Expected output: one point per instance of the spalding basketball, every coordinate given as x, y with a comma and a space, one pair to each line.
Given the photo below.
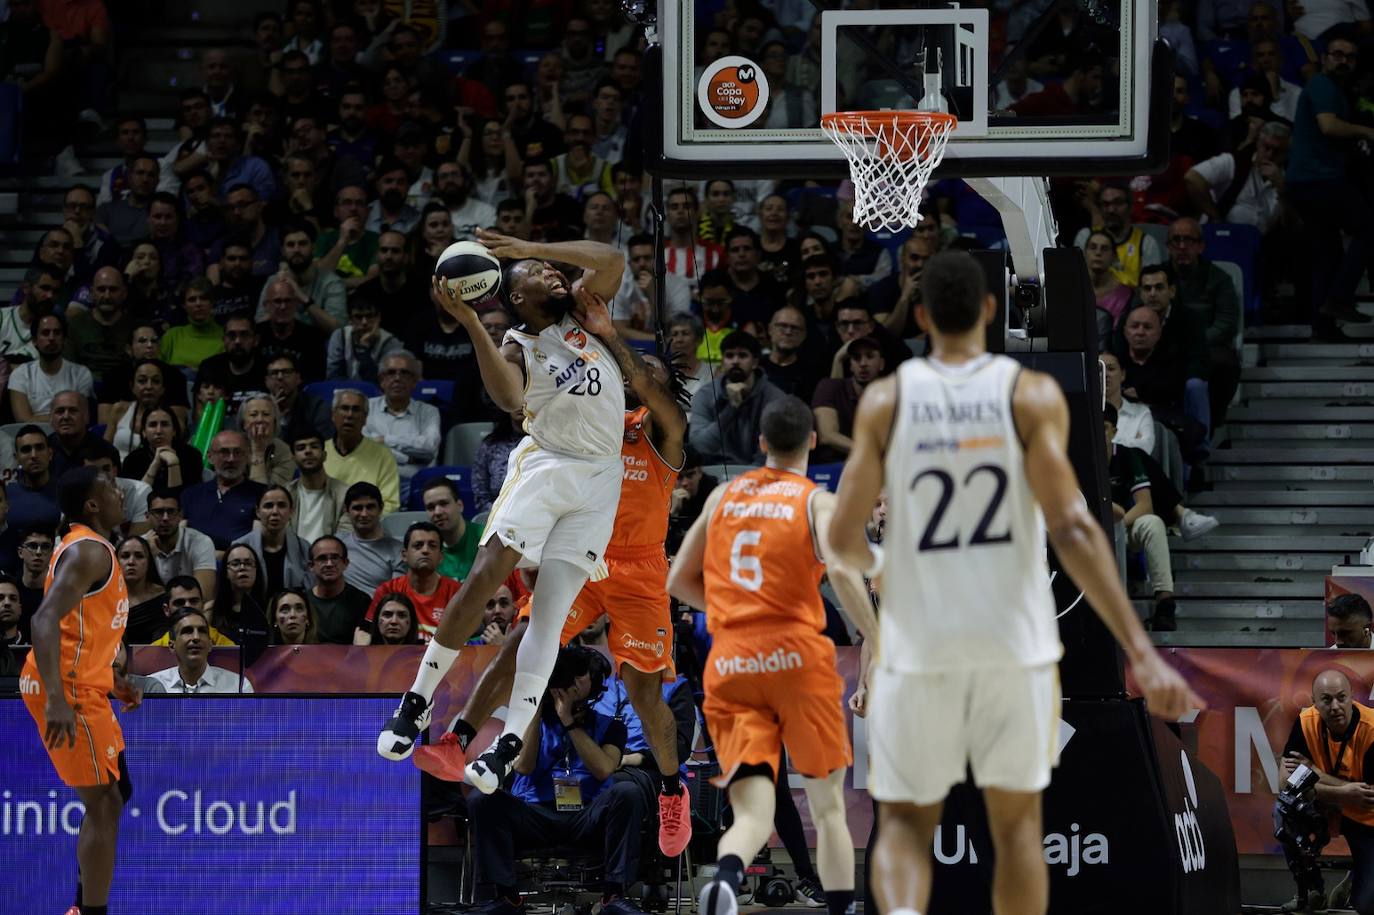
470, 269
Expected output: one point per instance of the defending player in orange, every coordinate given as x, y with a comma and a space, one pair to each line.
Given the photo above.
70, 671
634, 596
754, 560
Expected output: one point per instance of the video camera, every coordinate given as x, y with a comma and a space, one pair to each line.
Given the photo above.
1298, 822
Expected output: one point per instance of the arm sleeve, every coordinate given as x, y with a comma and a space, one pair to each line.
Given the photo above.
389, 482
615, 736
334, 297
85, 384
1217, 172
1297, 741
704, 428
202, 553
1226, 314
481, 479
377, 597
1149, 252
334, 360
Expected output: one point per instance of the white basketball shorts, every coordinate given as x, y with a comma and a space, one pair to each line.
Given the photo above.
926, 730
556, 506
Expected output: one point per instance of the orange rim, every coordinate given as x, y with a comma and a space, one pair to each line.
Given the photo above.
887, 127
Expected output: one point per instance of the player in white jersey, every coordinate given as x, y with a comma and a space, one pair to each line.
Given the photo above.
566, 369
972, 449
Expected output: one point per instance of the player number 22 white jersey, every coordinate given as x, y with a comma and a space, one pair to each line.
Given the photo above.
964, 581
574, 393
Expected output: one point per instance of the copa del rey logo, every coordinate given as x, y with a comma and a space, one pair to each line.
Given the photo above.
576, 337
759, 663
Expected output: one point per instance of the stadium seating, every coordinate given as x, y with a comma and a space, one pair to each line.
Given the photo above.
439, 393
395, 524
462, 441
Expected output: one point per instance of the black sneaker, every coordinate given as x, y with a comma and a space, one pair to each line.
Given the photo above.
397, 739
1163, 619
489, 770
809, 893
498, 906
619, 905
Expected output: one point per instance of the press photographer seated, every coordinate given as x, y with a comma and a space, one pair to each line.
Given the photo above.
1335, 738
563, 792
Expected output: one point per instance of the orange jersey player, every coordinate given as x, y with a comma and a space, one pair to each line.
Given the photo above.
633, 596
66, 678
753, 560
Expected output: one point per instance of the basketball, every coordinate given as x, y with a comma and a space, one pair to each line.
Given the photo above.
471, 269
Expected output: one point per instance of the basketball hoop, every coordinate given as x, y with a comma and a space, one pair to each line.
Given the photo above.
891, 156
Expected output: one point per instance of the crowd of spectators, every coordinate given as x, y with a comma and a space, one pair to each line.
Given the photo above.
171, 326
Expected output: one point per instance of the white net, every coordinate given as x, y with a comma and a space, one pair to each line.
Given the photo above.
891, 156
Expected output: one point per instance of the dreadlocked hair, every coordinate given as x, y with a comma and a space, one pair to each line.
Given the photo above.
677, 378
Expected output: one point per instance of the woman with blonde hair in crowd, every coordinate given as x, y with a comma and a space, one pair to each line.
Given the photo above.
270, 459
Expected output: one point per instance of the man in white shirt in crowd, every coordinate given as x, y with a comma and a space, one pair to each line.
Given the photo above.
39, 289
1135, 424
103, 456
635, 304
373, 557
33, 384
178, 548
193, 673
319, 497
453, 186
406, 426
1229, 189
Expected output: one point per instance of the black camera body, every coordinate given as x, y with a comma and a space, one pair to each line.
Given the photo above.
1298, 822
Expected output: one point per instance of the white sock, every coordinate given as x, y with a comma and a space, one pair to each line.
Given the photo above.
435, 665
558, 586
903, 912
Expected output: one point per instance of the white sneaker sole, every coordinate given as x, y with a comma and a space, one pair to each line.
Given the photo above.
717, 899
481, 777
391, 746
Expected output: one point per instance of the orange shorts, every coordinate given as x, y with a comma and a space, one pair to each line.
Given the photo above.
766, 690
94, 759
635, 598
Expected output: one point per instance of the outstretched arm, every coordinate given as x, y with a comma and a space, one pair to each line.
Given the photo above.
602, 264
1043, 418
862, 481
670, 421
502, 369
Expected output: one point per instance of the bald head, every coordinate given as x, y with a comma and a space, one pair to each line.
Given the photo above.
108, 291
1332, 699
